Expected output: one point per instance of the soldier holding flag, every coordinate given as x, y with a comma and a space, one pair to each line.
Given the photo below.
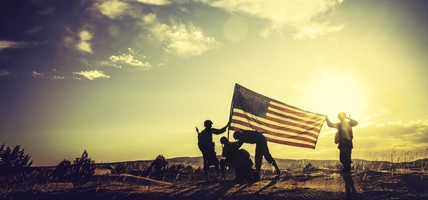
345, 136
207, 146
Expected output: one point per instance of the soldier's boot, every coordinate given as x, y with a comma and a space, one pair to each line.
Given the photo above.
278, 172
257, 175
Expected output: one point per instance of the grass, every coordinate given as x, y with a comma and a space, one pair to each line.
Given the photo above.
139, 175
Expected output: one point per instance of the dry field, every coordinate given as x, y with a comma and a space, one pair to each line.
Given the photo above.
368, 180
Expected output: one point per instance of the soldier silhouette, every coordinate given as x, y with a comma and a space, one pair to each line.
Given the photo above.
262, 150
344, 138
237, 159
207, 146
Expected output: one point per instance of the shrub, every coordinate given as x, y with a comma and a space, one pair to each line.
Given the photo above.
159, 163
13, 158
158, 166
78, 173
82, 170
62, 172
13, 166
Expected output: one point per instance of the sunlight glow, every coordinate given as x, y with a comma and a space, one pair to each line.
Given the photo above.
331, 93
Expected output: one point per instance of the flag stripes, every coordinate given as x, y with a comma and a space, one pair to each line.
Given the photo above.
248, 122
282, 123
265, 125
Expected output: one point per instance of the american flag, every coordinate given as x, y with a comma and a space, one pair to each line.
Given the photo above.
282, 123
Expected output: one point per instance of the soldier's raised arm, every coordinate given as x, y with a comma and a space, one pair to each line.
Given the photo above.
329, 123
353, 122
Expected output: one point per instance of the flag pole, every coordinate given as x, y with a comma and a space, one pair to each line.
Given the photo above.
231, 112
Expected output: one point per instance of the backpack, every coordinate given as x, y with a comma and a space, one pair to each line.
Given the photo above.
336, 138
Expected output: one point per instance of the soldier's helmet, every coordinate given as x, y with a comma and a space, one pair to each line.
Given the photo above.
237, 135
341, 115
208, 123
223, 140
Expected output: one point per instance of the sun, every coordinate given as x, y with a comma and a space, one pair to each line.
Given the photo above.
331, 93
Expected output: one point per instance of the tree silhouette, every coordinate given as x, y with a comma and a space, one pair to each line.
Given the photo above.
13, 158
158, 166
82, 170
78, 173
13, 165
62, 172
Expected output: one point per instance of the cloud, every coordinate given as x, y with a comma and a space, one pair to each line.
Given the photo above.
309, 19
34, 30
155, 2
54, 74
383, 139
80, 41
178, 38
130, 60
372, 141
312, 30
182, 39
92, 74
188, 40
112, 9
83, 44
405, 131
61, 75
10, 44
47, 11
4, 72
37, 74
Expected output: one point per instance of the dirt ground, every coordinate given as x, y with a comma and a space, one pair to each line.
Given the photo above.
317, 185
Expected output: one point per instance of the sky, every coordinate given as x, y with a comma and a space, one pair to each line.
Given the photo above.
130, 80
